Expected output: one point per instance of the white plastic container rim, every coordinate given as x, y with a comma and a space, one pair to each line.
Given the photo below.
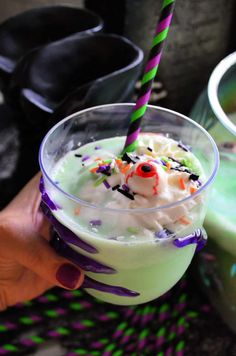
212, 89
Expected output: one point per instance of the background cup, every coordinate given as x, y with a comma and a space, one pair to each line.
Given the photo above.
72, 74
216, 110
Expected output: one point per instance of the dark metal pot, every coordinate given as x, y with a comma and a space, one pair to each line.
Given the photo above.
37, 27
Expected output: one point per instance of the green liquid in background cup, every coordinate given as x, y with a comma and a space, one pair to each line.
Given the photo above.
216, 110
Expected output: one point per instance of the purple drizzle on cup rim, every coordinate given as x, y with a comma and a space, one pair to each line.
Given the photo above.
197, 237
66, 234
45, 197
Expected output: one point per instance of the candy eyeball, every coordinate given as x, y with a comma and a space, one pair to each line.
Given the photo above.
145, 178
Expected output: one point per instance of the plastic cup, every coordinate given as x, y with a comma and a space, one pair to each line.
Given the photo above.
121, 272
215, 109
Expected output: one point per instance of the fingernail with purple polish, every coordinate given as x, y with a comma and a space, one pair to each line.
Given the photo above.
68, 275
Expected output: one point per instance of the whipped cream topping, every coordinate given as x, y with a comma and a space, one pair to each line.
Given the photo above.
160, 172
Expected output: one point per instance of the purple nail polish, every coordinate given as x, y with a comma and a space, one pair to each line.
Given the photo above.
68, 275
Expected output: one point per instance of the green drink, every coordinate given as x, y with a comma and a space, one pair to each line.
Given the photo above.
135, 210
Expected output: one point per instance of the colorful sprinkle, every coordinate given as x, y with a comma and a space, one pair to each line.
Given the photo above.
126, 157
103, 169
85, 158
94, 170
118, 162
133, 229
182, 183
107, 185
107, 160
168, 166
184, 147
193, 177
95, 222
126, 194
125, 187
125, 169
193, 190
163, 234
199, 182
175, 160
97, 147
157, 160
77, 211
184, 221
181, 169
99, 181
192, 168
78, 155
116, 187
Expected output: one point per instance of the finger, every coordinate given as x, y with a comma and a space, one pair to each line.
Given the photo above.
29, 197
34, 252
44, 226
28, 287
86, 263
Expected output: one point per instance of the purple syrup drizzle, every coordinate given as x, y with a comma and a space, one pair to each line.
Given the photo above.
85, 262
197, 237
102, 287
45, 197
66, 234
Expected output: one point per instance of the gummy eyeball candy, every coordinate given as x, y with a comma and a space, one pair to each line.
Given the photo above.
145, 178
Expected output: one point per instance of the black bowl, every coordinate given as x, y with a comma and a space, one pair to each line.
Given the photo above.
72, 74
37, 27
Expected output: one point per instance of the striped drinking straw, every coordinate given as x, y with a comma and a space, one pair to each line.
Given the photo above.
149, 74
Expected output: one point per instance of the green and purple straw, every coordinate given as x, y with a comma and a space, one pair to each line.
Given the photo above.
149, 75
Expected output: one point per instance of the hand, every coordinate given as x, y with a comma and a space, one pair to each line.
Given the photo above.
28, 265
